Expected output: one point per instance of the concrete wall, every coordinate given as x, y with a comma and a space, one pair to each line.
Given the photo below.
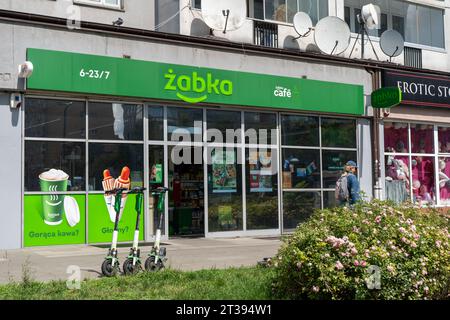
11, 175
135, 13
25, 37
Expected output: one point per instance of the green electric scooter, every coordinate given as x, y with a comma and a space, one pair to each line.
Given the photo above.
110, 266
157, 255
132, 264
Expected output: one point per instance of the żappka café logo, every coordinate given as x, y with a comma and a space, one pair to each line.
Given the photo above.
193, 88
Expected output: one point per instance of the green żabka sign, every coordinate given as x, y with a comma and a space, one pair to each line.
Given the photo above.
386, 97
82, 73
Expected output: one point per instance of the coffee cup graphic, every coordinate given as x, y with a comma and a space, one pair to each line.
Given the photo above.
52, 182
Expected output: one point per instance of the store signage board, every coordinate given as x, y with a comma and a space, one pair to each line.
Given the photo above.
92, 74
386, 97
419, 89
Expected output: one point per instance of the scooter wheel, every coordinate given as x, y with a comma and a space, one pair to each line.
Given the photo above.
108, 269
128, 267
151, 266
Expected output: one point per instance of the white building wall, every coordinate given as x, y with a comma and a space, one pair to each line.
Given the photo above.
433, 58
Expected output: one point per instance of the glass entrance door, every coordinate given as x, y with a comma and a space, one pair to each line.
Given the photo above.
186, 192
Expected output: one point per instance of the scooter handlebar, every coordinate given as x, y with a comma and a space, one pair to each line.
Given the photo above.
116, 190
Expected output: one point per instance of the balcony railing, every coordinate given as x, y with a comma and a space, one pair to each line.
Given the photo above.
413, 57
265, 34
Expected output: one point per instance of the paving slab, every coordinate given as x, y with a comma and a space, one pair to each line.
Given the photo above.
52, 263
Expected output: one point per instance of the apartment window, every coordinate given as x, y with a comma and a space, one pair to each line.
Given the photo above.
416, 23
284, 10
106, 3
197, 4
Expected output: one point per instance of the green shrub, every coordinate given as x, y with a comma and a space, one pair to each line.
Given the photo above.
331, 255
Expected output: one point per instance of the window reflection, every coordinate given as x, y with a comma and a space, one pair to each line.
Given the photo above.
47, 118
397, 178
42, 156
298, 207
423, 185
114, 156
396, 137
422, 138
262, 189
416, 23
115, 121
444, 180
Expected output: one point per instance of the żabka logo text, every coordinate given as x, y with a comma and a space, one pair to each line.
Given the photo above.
193, 84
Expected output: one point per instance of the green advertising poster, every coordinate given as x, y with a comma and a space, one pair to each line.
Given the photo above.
101, 222
83, 73
54, 219
223, 171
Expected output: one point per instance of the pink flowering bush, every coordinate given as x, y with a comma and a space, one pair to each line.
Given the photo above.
375, 250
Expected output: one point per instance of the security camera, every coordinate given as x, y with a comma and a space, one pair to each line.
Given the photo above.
25, 69
15, 101
118, 22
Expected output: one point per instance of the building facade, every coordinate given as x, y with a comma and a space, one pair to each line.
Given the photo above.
105, 94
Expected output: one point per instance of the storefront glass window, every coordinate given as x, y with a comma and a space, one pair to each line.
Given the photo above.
228, 123
46, 118
411, 176
186, 191
114, 156
298, 207
115, 121
423, 183
444, 180
156, 167
396, 137
444, 139
263, 124
422, 138
184, 124
338, 133
329, 199
224, 190
299, 131
155, 123
301, 169
67, 159
262, 189
333, 165
397, 178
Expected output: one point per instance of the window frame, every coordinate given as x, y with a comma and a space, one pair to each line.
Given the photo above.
101, 4
321, 189
395, 13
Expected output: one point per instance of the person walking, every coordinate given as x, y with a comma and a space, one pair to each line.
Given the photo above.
347, 186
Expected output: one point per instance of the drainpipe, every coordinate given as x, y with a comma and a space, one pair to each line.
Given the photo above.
376, 177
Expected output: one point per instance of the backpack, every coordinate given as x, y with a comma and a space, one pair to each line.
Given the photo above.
341, 192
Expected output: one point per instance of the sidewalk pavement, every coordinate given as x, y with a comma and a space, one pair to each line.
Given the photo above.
51, 263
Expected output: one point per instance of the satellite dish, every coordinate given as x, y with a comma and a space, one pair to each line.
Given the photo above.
224, 15
392, 43
302, 23
370, 14
332, 35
